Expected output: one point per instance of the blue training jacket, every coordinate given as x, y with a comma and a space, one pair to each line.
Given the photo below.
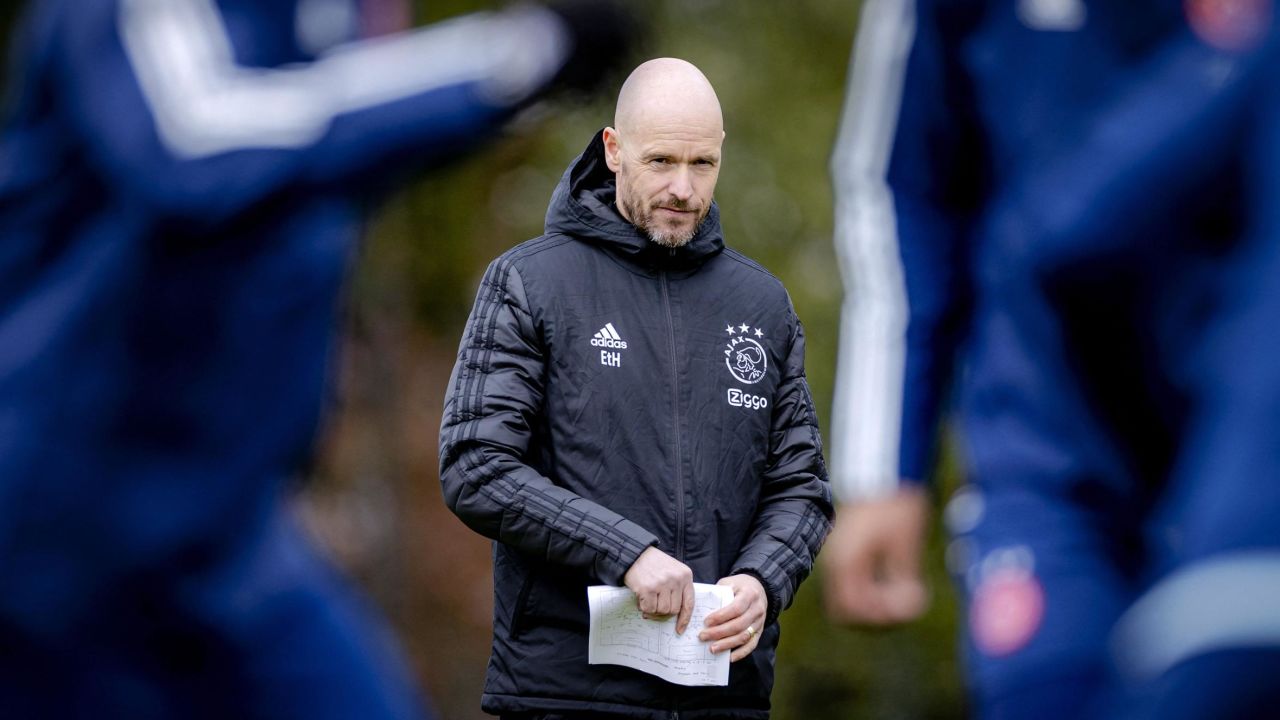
181, 183
1051, 195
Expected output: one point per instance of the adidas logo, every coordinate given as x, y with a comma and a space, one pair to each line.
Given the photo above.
607, 337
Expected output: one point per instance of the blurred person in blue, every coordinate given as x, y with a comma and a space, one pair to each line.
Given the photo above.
1060, 218
181, 187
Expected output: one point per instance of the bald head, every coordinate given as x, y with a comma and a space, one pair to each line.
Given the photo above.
664, 149
665, 90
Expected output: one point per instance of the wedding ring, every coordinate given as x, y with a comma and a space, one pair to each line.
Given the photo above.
751, 632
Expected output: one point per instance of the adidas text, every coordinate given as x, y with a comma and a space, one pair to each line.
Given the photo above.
609, 343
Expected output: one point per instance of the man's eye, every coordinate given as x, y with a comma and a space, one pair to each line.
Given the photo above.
659, 161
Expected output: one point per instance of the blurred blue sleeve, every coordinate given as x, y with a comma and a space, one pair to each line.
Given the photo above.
904, 177
168, 108
1173, 120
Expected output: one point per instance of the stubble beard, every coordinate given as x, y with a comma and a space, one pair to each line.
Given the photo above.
642, 217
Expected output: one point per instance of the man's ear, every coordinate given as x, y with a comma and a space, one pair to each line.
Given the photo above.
612, 149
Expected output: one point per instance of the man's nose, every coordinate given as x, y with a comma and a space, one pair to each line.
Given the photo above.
681, 184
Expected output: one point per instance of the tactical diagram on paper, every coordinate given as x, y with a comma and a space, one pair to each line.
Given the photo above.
621, 636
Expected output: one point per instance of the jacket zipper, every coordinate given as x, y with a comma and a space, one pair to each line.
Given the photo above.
675, 412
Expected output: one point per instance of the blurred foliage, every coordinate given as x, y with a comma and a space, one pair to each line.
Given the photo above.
10, 10
779, 69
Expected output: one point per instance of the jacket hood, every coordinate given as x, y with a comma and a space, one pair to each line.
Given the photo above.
582, 207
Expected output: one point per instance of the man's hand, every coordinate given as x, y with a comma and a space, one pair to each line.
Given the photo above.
738, 624
663, 587
871, 561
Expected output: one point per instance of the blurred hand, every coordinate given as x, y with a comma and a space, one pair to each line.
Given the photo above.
605, 36
728, 625
663, 587
871, 560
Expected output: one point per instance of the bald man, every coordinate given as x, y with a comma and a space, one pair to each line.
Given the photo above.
629, 407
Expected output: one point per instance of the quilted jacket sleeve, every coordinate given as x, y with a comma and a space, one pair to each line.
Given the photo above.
495, 396
795, 509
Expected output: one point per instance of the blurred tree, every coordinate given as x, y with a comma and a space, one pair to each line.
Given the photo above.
9, 11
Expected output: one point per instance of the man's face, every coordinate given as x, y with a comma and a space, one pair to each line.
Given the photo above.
666, 174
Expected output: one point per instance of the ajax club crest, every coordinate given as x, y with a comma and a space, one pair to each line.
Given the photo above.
744, 355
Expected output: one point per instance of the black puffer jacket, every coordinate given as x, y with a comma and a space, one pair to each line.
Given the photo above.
611, 394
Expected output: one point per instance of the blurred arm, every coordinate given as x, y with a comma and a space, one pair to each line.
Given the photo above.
170, 111
495, 395
901, 177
